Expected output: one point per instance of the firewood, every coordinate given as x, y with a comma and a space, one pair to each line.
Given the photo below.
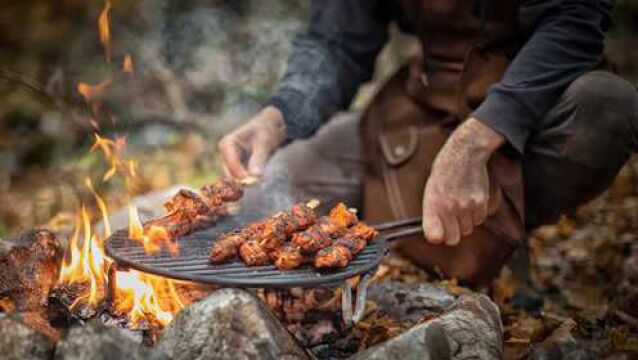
29, 268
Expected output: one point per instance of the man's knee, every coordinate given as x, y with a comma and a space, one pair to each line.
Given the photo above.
603, 100
597, 121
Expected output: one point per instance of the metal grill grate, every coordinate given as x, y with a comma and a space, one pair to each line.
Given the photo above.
192, 262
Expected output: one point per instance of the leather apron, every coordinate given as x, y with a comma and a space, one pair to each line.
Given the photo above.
465, 47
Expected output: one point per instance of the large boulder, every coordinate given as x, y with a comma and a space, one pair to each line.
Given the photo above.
20, 342
98, 342
469, 329
228, 324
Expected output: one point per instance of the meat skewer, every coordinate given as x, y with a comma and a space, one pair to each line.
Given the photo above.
268, 234
292, 238
345, 248
189, 211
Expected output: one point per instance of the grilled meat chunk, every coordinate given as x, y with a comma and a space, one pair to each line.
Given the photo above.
224, 190
186, 204
288, 257
227, 246
332, 257
364, 231
253, 254
312, 240
352, 242
342, 216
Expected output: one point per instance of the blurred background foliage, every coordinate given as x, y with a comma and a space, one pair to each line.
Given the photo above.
200, 68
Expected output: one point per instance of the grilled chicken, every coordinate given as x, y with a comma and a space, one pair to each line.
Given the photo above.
253, 254
334, 256
288, 257
269, 234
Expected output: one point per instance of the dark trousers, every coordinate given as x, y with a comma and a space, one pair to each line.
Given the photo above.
572, 156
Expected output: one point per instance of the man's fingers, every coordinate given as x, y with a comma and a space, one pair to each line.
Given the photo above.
432, 227
258, 160
231, 156
466, 221
452, 230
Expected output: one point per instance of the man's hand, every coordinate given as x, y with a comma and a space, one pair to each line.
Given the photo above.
244, 151
457, 194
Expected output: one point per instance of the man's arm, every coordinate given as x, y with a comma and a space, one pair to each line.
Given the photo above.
325, 67
329, 62
565, 41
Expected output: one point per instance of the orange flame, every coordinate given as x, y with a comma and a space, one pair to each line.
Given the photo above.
152, 238
85, 263
142, 297
104, 29
112, 150
89, 92
145, 297
127, 64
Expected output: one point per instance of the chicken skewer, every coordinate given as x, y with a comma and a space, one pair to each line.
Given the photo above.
189, 211
345, 248
265, 236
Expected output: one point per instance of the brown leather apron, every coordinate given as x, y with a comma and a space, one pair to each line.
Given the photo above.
465, 49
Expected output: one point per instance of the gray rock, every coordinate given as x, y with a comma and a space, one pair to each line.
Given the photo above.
97, 342
228, 324
18, 341
469, 329
409, 302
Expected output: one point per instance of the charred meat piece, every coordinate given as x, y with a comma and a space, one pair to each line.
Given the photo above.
288, 257
312, 240
333, 257
224, 190
274, 232
353, 242
342, 216
186, 204
269, 234
253, 254
226, 247
364, 231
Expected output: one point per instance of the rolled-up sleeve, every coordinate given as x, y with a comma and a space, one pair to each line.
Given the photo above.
565, 40
329, 61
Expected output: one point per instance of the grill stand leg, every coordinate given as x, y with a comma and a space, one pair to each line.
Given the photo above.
350, 318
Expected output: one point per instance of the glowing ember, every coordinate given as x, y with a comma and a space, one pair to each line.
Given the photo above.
104, 30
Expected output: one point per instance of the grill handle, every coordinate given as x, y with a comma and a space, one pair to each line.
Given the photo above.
404, 227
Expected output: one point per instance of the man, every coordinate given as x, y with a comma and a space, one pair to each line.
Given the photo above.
508, 119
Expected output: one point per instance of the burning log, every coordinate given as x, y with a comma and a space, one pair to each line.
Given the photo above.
29, 269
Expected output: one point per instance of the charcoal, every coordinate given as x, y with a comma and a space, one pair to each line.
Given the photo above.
19, 341
61, 311
29, 268
228, 324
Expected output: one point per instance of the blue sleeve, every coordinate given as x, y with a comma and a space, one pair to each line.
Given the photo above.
329, 62
565, 40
